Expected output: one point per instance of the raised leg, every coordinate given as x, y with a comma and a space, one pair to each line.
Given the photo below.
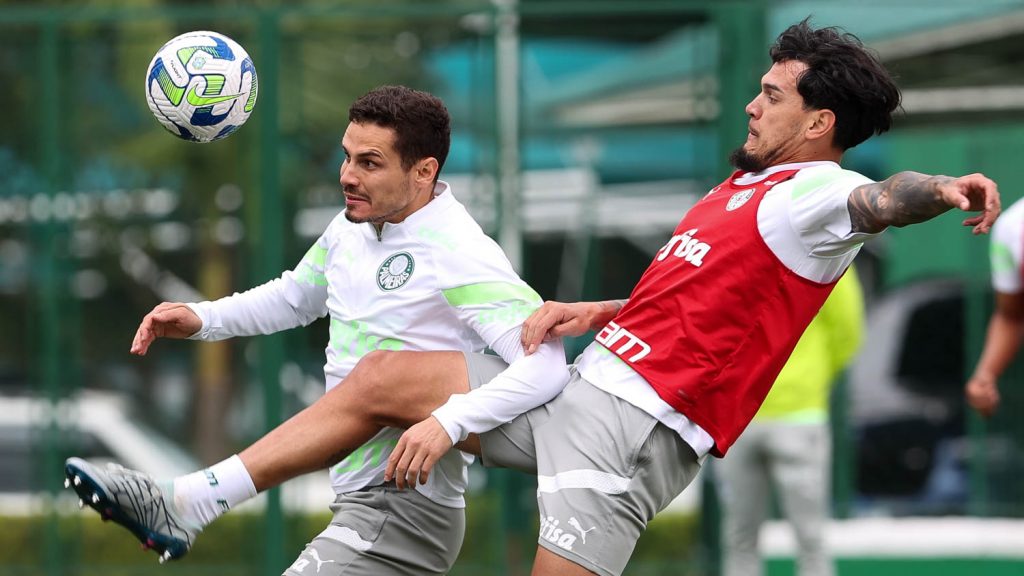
384, 389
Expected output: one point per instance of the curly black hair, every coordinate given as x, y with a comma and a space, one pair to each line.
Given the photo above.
842, 76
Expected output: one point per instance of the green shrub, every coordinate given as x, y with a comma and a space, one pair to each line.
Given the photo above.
235, 545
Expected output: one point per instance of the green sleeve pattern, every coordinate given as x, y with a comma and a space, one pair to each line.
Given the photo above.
311, 269
497, 302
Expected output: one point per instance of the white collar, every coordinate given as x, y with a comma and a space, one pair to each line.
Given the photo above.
442, 198
752, 177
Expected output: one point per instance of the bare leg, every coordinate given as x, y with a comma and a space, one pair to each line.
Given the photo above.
384, 389
547, 563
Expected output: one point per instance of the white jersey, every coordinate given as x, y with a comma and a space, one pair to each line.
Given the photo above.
806, 223
432, 282
1006, 250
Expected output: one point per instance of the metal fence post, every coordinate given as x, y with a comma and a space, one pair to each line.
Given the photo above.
47, 268
742, 50
506, 59
268, 257
976, 321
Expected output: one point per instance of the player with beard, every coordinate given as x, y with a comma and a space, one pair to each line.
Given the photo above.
678, 370
403, 267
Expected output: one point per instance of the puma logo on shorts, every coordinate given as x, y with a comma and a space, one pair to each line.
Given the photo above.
560, 537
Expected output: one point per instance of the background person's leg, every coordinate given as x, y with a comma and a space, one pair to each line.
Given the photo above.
801, 461
744, 492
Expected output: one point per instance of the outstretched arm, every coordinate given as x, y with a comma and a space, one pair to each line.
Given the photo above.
557, 319
530, 380
909, 197
1005, 331
297, 297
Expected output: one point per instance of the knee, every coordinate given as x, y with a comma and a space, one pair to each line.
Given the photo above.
371, 383
370, 367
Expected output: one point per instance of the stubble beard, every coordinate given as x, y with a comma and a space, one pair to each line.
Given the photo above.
376, 220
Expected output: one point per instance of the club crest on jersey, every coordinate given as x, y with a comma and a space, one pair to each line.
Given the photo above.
739, 199
395, 271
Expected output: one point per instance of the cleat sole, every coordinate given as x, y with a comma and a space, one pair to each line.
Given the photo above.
91, 490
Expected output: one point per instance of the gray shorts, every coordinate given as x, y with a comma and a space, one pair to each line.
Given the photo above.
383, 531
604, 468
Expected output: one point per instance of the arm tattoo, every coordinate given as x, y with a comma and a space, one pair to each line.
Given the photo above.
904, 198
609, 308
616, 305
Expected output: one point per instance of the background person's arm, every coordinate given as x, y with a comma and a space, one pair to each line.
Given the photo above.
1002, 340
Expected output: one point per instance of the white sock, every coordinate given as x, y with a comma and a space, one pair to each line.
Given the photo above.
200, 497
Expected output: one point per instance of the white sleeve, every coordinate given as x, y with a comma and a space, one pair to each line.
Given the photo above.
528, 382
1006, 250
806, 222
820, 212
295, 299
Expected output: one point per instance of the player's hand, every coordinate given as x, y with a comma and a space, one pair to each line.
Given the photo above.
982, 394
557, 319
417, 451
973, 193
167, 320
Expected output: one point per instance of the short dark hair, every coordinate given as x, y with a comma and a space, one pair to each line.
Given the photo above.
841, 76
420, 120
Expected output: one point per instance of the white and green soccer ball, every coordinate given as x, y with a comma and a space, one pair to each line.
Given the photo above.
201, 86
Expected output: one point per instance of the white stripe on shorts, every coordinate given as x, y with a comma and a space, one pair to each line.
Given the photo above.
346, 536
592, 479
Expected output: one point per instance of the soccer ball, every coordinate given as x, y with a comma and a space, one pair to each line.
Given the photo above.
201, 86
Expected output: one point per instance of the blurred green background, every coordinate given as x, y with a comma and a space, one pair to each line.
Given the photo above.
582, 132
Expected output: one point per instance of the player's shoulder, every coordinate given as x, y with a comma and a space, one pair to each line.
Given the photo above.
825, 176
823, 167
1009, 226
450, 229
459, 247
1014, 211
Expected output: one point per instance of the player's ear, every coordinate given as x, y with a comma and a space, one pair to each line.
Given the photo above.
426, 169
822, 123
